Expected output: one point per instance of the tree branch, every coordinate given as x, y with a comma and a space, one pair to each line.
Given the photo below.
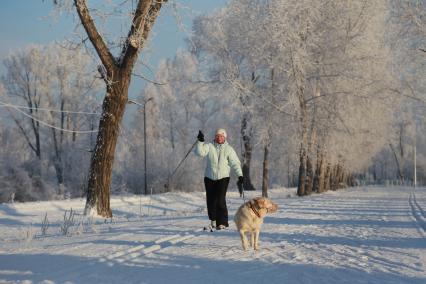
23, 132
145, 15
101, 48
149, 80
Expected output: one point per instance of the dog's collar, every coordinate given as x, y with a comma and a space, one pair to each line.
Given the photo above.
251, 205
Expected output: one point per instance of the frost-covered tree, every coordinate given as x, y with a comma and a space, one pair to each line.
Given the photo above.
407, 38
329, 63
183, 104
40, 83
222, 44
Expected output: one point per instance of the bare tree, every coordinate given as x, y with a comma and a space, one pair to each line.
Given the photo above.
24, 81
116, 73
40, 82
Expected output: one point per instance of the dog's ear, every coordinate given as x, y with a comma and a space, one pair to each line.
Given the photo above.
261, 202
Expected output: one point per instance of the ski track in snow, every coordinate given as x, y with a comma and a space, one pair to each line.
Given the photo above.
418, 213
358, 235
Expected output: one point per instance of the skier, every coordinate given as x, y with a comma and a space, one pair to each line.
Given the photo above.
221, 157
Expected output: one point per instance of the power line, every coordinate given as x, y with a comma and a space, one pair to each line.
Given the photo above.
50, 125
2, 104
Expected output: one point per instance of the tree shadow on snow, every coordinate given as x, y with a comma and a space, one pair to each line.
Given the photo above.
342, 222
355, 241
167, 268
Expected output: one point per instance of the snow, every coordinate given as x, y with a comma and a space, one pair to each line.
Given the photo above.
357, 235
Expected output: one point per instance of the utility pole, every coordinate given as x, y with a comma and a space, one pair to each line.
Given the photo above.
144, 142
415, 168
144, 139
415, 158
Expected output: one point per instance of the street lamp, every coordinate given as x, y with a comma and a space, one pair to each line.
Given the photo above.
144, 137
415, 158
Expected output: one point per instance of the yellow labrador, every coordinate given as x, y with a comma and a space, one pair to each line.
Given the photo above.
249, 218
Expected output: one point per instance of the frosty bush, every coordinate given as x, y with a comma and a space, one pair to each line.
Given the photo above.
44, 225
29, 233
68, 222
19, 186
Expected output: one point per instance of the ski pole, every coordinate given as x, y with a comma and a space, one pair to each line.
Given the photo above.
180, 163
244, 198
241, 190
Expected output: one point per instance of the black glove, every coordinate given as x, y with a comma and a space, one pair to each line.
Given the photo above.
200, 136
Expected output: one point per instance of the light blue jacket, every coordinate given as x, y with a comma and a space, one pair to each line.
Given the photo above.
220, 159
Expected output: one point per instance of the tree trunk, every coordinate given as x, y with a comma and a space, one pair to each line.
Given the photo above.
321, 177
332, 177
265, 178
98, 193
318, 172
301, 188
58, 145
343, 179
302, 172
322, 174
315, 185
312, 142
172, 137
327, 177
288, 173
340, 174
246, 134
309, 176
58, 158
374, 173
335, 177
398, 164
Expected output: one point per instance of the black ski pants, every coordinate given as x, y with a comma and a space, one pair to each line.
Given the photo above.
216, 200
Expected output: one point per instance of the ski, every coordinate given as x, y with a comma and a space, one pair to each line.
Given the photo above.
208, 229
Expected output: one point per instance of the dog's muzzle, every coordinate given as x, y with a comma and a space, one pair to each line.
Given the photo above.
273, 209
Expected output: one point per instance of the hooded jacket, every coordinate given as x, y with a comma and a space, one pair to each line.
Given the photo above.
220, 159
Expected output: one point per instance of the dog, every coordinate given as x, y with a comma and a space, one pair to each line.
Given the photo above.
249, 218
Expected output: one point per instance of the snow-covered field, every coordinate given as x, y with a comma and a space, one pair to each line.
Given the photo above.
358, 235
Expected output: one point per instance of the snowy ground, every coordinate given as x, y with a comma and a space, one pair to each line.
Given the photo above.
358, 235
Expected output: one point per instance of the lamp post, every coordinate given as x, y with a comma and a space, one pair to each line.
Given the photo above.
144, 138
415, 158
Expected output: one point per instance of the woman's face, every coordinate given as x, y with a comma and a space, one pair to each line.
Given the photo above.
220, 138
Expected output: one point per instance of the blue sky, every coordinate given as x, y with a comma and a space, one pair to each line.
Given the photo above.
23, 22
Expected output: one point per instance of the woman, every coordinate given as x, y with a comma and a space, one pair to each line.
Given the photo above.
221, 157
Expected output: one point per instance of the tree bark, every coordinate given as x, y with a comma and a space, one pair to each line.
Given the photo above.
318, 172
265, 178
246, 134
398, 164
289, 184
303, 151
98, 195
302, 172
322, 173
309, 176
58, 145
327, 177
311, 144
58, 158
301, 188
